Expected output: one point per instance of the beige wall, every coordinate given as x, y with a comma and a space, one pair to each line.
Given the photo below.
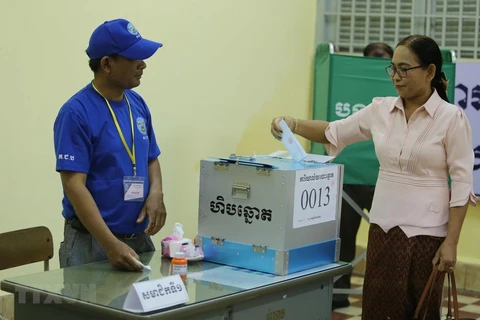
226, 68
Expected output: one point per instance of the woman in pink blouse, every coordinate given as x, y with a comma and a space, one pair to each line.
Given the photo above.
420, 140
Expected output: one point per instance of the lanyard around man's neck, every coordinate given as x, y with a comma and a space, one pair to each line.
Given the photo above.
131, 152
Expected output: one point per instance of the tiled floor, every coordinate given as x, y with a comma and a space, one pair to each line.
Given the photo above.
469, 304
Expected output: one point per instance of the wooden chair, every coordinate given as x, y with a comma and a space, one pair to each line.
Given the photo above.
6, 307
21, 247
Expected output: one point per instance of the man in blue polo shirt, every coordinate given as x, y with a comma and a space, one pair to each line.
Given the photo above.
106, 155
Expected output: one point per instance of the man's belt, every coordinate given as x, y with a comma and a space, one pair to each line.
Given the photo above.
76, 224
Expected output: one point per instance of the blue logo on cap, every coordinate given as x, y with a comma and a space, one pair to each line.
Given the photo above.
132, 29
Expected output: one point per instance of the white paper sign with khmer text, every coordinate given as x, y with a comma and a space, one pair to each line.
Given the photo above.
156, 294
316, 192
467, 97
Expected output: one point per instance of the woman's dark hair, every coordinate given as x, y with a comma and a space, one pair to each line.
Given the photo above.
375, 50
428, 52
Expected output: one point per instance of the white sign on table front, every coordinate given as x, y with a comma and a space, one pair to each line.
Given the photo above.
315, 199
156, 294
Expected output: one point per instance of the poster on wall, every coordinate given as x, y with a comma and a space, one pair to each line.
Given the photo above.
467, 97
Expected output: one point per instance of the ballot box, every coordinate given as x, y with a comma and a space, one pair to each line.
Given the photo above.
269, 214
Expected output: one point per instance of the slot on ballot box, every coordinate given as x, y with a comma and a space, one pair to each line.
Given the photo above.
269, 214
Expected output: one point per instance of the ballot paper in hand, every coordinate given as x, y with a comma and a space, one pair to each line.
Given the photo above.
291, 143
295, 148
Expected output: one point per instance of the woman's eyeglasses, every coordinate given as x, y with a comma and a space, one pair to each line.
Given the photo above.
402, 72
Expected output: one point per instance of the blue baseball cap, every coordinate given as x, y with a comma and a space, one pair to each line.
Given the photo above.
120, 37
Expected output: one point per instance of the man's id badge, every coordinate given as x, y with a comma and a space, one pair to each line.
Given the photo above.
133, 188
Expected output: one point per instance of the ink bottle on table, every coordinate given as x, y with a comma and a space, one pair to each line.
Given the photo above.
180, 265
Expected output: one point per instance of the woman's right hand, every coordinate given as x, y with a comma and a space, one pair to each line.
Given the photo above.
276, 130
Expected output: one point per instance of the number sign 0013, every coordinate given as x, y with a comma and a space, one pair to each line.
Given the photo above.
315, 196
